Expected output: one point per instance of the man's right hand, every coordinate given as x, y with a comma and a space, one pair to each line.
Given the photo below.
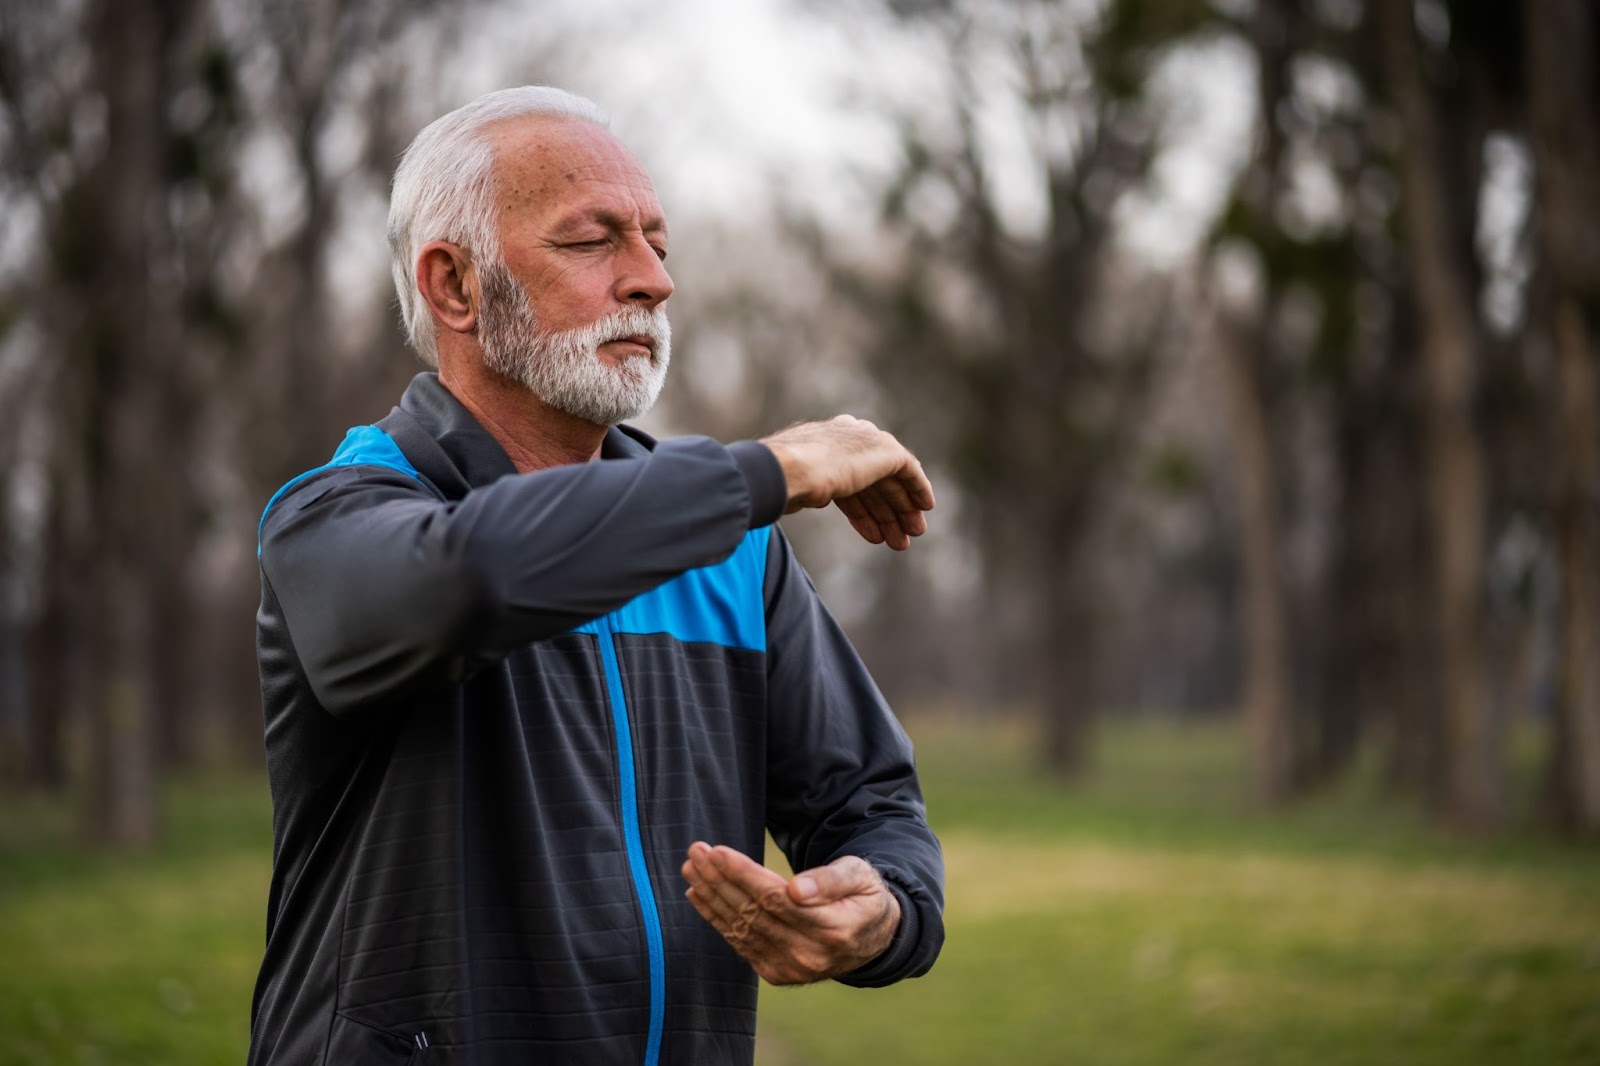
875, 480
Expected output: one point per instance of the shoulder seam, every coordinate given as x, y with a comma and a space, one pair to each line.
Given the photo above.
362, 446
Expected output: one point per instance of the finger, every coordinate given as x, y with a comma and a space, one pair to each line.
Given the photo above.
907, 501
878, 499
896, 504
691, 873
741, 869
860, 520
910, 494
738, 923
720, 912
915, 523
846, 876
895, 493
715, 909
909, 519
704, 875
703, 906
919, 489
750, 935
883, 513
912, 524
755, 900
696, 866
756, 933
738, 880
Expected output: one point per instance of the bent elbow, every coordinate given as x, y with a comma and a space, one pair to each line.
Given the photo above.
396, 653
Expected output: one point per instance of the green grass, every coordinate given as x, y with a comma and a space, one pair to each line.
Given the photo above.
1148, 916
1153, 916
119, 960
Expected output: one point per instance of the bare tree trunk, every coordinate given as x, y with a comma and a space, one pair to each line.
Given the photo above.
170, 644
54, 677
1359, 682
1560, 58
308, 362
1579, 764
1241, 350
13, 674
1063, 641
1266, 698
123, 808
126, 375
1474, 785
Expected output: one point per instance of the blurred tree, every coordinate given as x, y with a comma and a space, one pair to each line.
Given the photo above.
1245, 355
1563, 49
175, 341
1452, 364
126, 128
330, 61
985, 336
326, 109
95, 181
1355, 130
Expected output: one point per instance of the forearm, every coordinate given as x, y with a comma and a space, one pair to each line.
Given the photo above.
384, 587
841, 776
588, 542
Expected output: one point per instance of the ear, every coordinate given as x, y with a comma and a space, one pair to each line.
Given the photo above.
446, 280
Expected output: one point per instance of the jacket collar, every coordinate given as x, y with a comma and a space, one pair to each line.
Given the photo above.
473, 450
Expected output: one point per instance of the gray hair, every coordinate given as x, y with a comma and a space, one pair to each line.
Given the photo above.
444, 190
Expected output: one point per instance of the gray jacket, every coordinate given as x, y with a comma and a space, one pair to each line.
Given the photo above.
500, 707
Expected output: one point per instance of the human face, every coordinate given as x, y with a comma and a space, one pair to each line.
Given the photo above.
580, 227
563, 368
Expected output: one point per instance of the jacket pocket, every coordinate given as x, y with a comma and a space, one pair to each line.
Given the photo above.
356, 1043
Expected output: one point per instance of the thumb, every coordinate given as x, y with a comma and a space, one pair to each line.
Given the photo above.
843, 877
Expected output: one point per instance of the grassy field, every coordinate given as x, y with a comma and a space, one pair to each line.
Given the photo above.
1149, 916
1152, 917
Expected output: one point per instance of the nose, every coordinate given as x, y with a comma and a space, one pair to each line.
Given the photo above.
642, 277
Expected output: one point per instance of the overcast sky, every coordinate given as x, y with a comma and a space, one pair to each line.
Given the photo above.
724, 99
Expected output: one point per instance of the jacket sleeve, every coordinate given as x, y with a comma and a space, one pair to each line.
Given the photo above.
383, 586
840, 775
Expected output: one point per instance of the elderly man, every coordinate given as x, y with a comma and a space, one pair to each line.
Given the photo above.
535, 685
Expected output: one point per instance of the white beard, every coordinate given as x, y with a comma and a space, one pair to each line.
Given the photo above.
563, 367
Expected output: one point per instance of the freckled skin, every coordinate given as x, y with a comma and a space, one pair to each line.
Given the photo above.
581, 228
580, 223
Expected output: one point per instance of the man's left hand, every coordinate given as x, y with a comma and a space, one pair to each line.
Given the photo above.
819, 924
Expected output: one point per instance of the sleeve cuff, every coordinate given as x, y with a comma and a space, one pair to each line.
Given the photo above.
763, 476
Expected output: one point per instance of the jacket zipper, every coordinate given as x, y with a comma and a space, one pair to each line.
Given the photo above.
637, 865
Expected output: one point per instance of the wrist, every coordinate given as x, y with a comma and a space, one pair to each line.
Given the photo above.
888, 924
765, 479
904, 931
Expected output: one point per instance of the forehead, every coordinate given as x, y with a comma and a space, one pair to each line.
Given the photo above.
550, 166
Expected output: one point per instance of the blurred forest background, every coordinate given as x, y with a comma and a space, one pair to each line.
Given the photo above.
1252, 345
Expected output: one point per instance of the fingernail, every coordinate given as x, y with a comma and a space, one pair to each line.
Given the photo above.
805, 887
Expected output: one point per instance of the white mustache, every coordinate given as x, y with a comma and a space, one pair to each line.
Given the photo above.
631, 322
